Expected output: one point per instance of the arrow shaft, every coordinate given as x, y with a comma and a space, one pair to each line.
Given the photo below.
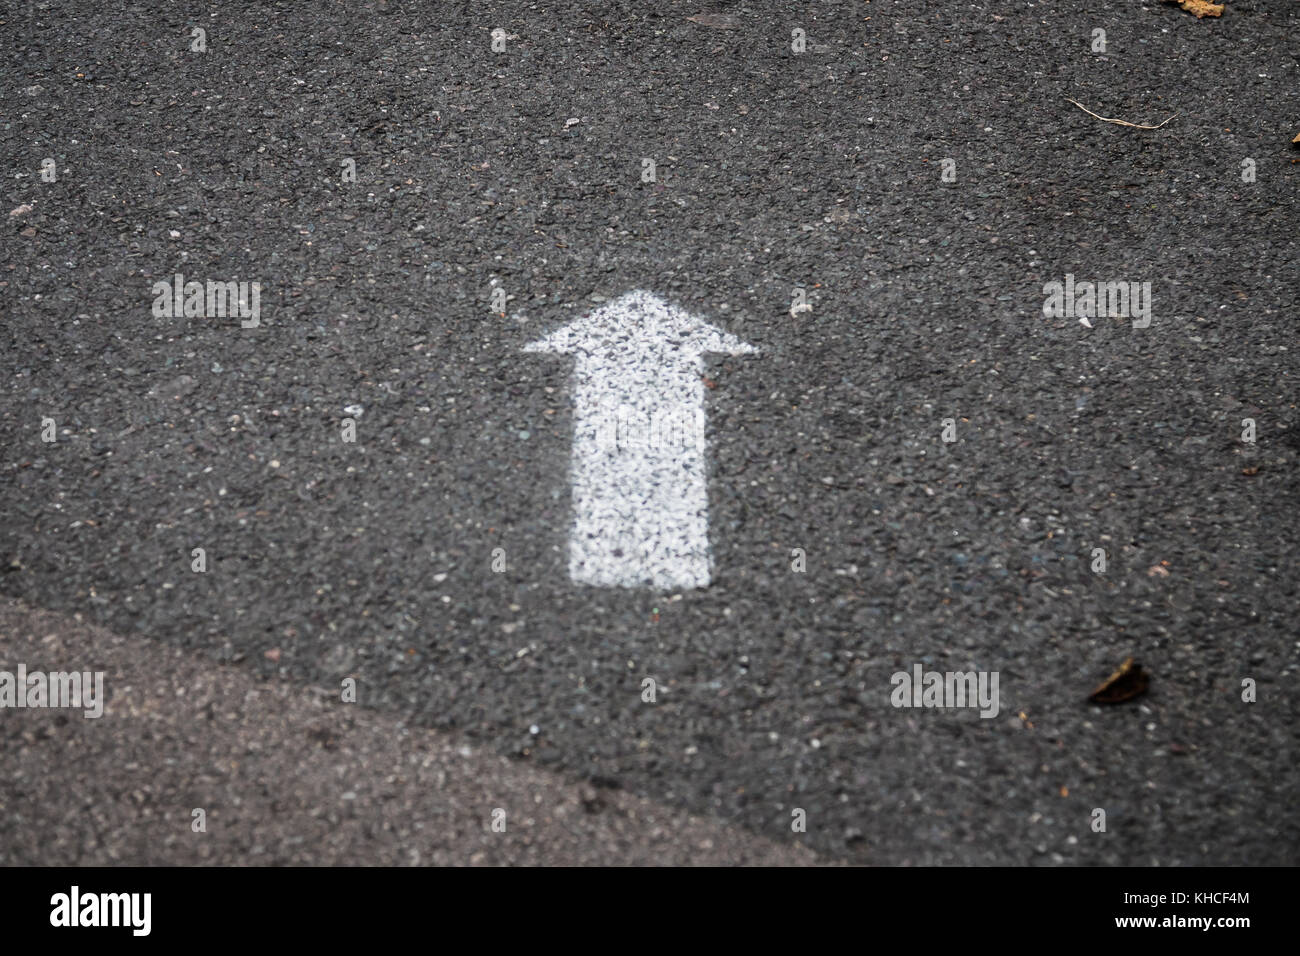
640, 483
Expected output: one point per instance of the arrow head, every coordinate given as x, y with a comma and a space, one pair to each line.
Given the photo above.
636, 323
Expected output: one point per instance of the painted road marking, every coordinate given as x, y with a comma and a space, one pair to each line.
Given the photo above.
640, 484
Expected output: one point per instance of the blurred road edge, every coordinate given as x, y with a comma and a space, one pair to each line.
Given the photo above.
290, 775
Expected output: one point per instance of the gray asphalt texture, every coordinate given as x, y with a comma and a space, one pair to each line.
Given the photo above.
775, 170
287, 775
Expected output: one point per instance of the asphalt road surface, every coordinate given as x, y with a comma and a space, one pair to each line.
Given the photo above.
428, 560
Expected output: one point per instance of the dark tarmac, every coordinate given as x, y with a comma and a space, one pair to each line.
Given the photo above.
523, 170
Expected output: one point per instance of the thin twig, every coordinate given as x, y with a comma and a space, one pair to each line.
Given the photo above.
1118, 122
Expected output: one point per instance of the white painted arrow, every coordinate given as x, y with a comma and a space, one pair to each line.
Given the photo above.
640, 485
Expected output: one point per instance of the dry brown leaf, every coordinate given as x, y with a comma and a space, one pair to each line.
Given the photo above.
1297, 138
1129, 681
1202, 8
